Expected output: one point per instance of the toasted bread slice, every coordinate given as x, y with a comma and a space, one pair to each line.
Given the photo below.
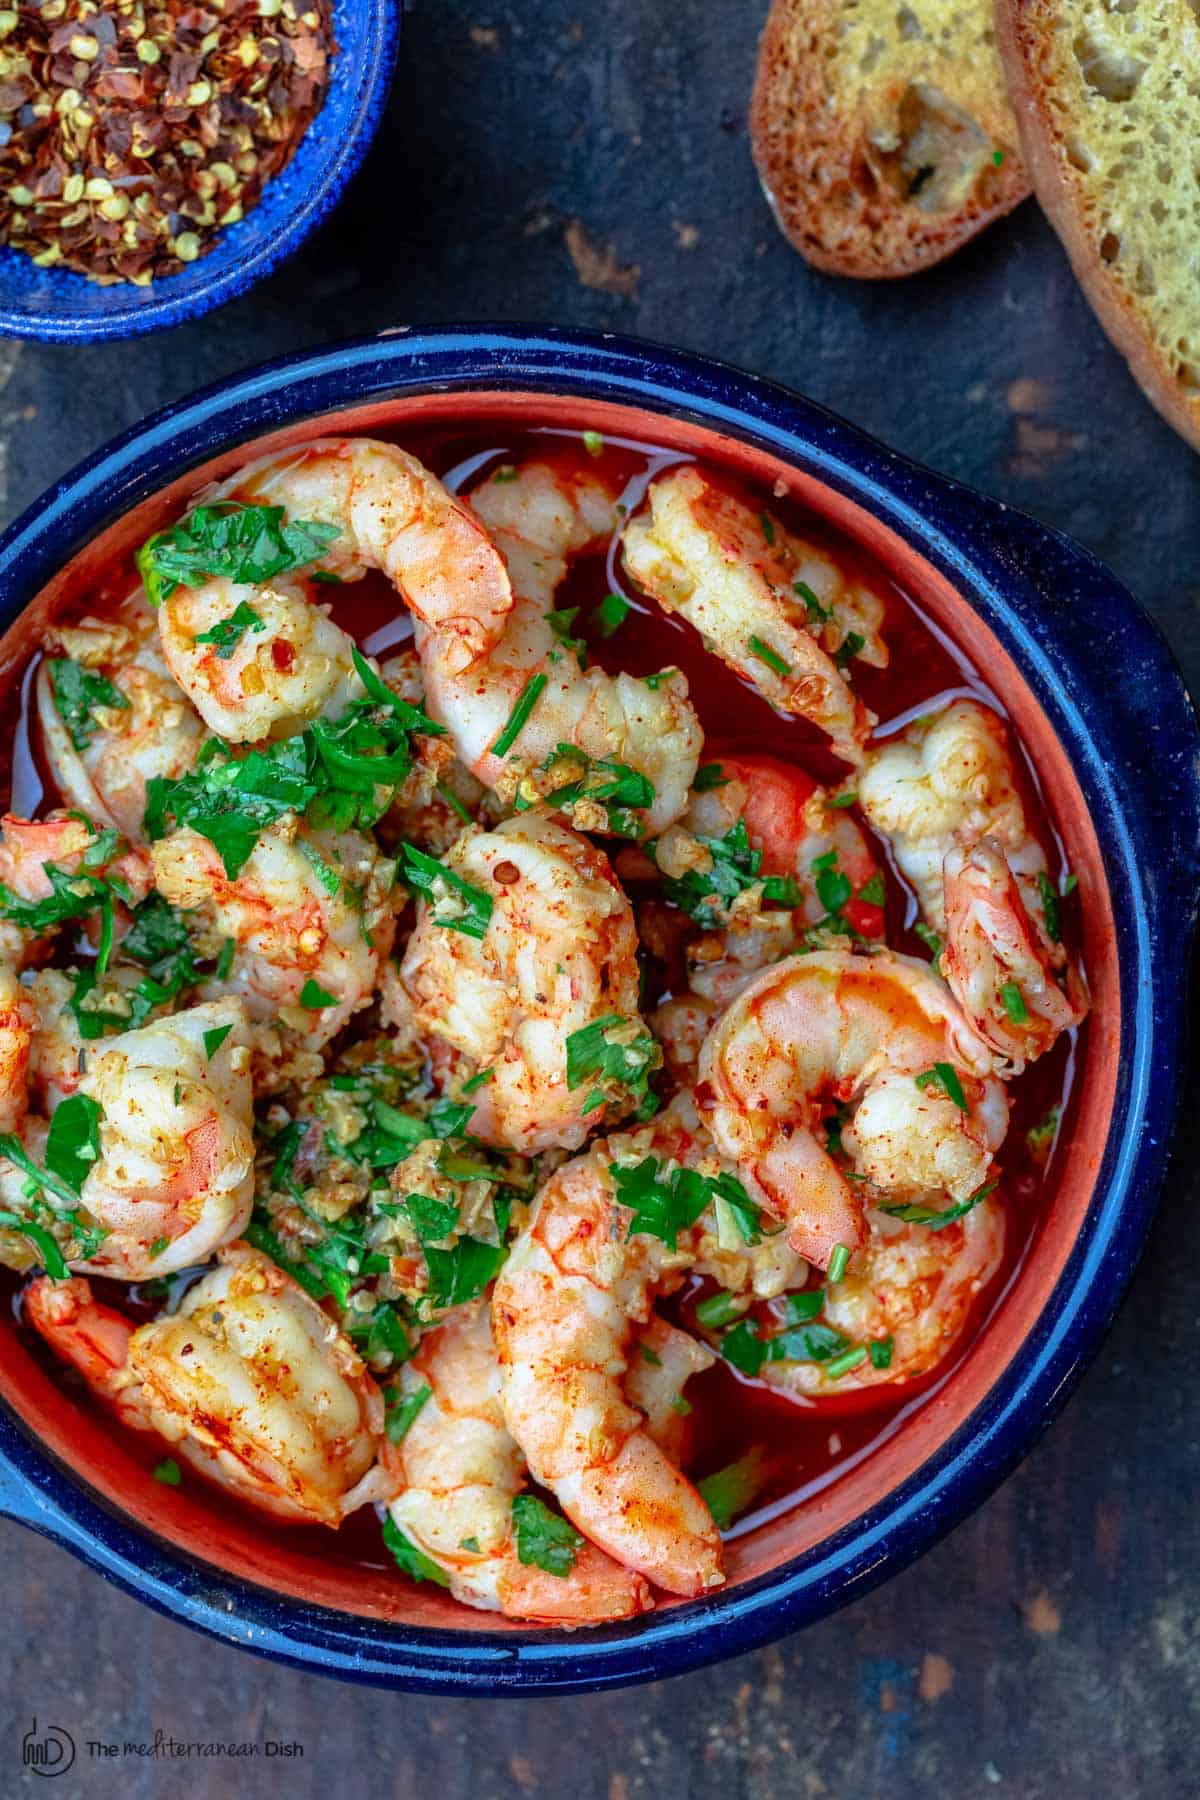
1107, 96
882, 131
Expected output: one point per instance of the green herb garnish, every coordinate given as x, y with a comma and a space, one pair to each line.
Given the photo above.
77, 692
544, 1541
232, 541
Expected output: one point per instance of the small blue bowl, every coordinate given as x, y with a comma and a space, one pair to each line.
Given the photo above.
61, 307
1120, 758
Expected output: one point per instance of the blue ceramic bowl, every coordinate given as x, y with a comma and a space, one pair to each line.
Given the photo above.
1119, 761
61, 307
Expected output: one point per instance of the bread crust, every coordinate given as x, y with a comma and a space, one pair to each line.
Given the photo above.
1021, 28
820, 171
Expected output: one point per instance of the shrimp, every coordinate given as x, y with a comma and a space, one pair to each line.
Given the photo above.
18, 1024
1011, 979
539, 517
565, 1312
554, 969
30, 849
946, 795
174, 1177
766, 820
907, 1294
664, 1361
309, 914
879, 1034
292, 663
778, 611
249, 1381
147, 728
945, 781
461, 1473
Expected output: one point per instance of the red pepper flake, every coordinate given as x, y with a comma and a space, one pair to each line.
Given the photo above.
132, 132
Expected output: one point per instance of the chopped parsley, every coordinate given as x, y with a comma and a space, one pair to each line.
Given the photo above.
719, 1309
768, 527
452, 902
462, 1272
735, 866
562, 623
402, 1409
412, 1561
168, 1472
432, 1220
314, 997
527, 699
880, 1351
74, 896
622, 791
230, 540
228, 633
611, 614
943, 1078
477, 1081
731, 1490
764, 654
1039, 1137
709, 776
1014, 1003
214, 1039
619, 1055
662, 1206
336, 773
928, 1215
817, 614
848, 649
77, 692
1052, 905
544, 1541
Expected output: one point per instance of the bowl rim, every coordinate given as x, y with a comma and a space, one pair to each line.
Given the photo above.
166, 304
1146, 812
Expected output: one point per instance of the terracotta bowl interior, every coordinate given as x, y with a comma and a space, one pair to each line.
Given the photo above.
294, 1565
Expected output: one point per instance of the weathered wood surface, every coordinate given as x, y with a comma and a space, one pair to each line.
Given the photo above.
589, 164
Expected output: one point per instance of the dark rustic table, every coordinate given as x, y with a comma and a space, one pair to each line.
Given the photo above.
589, 164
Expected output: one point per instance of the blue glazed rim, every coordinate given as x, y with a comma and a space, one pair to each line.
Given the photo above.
1134, 749
59, 306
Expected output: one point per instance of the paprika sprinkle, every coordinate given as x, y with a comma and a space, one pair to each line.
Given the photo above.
132, 131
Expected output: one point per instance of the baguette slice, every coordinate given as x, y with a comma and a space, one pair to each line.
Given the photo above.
1107, 96
882, 131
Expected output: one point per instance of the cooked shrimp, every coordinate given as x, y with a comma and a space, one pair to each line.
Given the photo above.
461, 1472
67, 843
565, 1312
152, 729
174, 1178
92, 1337
249, 1380
558, 955
765, 820
946, 781
664, 1361
291, 663
878, 1034
309, 915
937, 791
771, 606
909, 1292
1011, 979
18, 1023
540, 518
